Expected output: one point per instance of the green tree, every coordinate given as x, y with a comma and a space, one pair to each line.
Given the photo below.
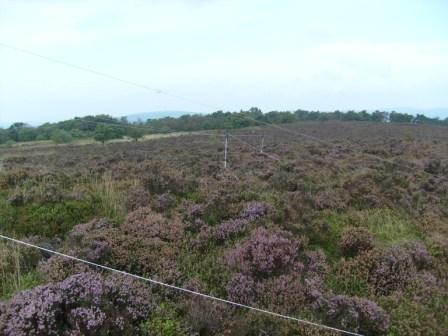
61, 136
105, 133
135, 133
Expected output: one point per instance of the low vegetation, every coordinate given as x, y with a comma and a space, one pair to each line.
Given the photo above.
330, 233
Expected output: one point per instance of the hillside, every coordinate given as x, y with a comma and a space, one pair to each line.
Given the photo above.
344, 224
107, 128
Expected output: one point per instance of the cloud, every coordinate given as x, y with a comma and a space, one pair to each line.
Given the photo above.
230, 53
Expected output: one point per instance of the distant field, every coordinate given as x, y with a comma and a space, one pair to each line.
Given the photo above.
89, 141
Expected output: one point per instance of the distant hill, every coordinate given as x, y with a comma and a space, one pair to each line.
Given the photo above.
156, 115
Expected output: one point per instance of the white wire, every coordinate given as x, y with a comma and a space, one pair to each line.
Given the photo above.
286, 317
162, 92
272, 157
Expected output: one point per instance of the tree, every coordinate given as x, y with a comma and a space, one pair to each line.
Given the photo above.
3, 136
61, 136
400, 117
135, 133
104, 133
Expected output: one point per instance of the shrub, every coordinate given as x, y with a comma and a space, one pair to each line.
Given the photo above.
265, 252
57, 268
355, 314
163, 202
136, 197
355, 240
229, 228
81, 304
79, 232
146, 223
382, 271
51, 219
253, 211
193, 211
164, 321
241, 288
392, 270
61, 136
285, 293
161, 178
336, 200
316, 262
420, 255
206, 317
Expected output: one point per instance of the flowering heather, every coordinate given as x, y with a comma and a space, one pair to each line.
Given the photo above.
253, 211
194, 211
57, 268
355, 240
85, 304
265, 252
316, 262
87, 320
98, 251
392, 270
205, 234
420, 255
136, 197
241, 288
314, 290
78, 232
37, 312
285, 293
146, 223
356, 314
229, 228
193, 216
163, 202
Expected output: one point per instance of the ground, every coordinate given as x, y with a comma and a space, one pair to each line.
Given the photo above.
349, 228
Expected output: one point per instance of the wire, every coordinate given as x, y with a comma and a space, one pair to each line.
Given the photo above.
158, 91
330, 144
160, 283
105, 75
272, 157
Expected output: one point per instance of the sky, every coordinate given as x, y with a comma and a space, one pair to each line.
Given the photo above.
221, 54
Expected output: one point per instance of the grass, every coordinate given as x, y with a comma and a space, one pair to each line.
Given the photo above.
164, 321
108, 196
14, 283
207, 267
89, 141
388, 226
16, 270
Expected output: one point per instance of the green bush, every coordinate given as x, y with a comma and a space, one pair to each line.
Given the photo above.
8, 214
61, 136
163, 322
48, 219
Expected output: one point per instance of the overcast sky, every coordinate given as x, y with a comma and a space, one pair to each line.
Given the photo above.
229, 54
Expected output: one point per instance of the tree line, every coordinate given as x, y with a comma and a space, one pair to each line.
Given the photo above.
104, 127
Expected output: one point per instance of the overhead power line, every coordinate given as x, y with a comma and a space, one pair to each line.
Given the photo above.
162, 92
105, 75
272, 157
181, 289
